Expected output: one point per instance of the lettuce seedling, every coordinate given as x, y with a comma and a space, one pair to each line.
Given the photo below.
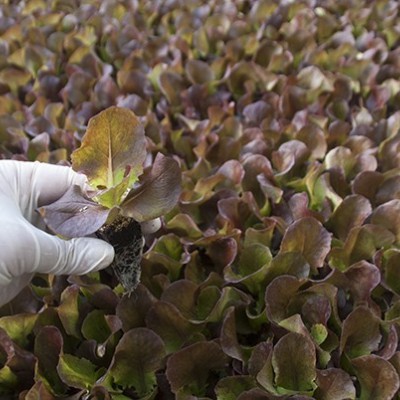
121, 193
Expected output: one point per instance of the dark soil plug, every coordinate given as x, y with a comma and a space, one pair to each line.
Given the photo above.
125, 235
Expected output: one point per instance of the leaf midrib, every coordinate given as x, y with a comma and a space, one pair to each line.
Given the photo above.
110, 174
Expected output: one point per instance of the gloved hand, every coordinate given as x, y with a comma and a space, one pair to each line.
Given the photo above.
24, 247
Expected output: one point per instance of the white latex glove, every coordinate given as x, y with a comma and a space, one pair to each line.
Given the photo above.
24, 247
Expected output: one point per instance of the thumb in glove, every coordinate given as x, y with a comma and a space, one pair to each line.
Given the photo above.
26, 249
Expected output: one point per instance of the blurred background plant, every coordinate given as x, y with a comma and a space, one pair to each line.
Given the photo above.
276, 275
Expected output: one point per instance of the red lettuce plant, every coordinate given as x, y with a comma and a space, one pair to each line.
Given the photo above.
121, 194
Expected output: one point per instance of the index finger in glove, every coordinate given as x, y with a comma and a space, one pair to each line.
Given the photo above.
52, 181
45, 182
32, 184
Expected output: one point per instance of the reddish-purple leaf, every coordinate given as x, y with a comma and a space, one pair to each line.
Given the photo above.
293, 362
138, 355
191, 366
378, 378
74, 215
229, 341
278, 295
173, 328
158, 192
351, 212
308, 237
334, 384
361, 333
388, 216
48, 348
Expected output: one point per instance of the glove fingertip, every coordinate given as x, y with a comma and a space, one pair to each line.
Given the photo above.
94, 254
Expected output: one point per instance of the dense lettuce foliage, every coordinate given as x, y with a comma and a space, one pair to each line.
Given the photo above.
277, 274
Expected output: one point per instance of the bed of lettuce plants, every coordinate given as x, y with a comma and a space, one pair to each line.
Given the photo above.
277, 273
